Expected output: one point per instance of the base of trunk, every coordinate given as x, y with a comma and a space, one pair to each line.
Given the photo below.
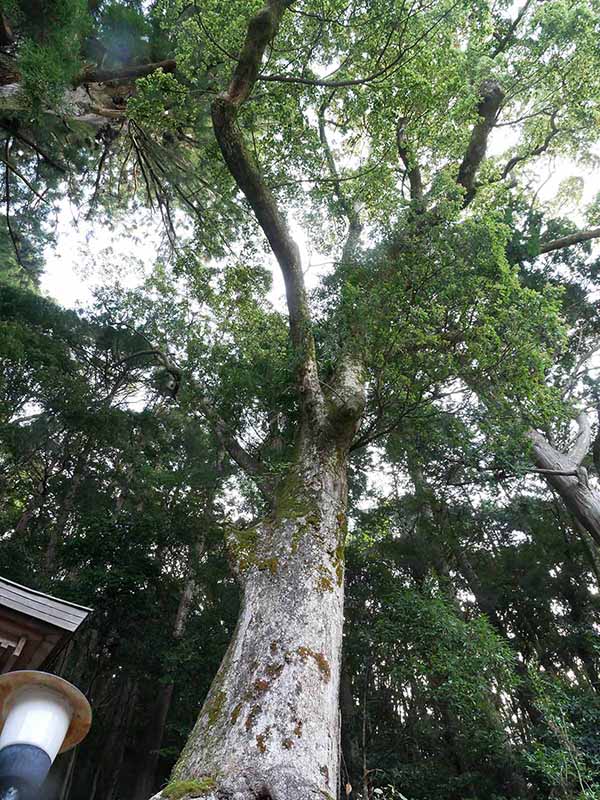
279, 786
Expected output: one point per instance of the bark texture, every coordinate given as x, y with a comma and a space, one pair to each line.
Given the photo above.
565, 474
270, 725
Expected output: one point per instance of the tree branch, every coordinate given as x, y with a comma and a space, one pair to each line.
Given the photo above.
386, 70
240, 455
503, 41
491, 96
261, 30
27, 183
568, 241
581, 447
411, 166
348, 208
13, 237
564, 472
33, 146
537, 151
93, 75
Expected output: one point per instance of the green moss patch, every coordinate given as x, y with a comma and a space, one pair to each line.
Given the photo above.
175, 790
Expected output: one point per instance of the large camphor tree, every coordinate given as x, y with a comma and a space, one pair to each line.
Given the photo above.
403, 139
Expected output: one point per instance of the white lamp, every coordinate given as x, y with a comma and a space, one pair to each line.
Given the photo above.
41, 715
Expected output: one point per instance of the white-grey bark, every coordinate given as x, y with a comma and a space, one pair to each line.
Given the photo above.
270, 725
564, 473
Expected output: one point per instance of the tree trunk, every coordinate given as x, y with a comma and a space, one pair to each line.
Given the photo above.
350, 744
146, 777
270, 725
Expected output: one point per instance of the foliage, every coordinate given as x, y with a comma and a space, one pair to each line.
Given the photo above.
47, 58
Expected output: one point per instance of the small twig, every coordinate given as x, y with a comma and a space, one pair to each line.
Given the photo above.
16, 172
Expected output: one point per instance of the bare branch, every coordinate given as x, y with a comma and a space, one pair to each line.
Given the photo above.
581, 447
564, 463
348, 208
563, 472
261, 30
568, 241
567, 477
537, 151
491, 96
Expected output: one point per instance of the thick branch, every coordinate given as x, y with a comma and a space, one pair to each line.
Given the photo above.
93, 75
568, 241
75, 105
564, 473
491, 95
261, 29
413, 171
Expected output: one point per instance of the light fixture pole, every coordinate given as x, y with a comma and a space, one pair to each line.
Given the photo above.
41, 715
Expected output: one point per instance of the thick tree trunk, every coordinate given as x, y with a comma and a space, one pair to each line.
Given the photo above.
270, 725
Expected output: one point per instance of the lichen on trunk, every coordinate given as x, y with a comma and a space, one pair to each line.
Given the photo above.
269, 727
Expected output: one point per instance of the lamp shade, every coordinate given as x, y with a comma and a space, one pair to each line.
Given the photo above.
39, 717
12, 686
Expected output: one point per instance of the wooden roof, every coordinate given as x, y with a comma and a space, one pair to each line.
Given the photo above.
33, 625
